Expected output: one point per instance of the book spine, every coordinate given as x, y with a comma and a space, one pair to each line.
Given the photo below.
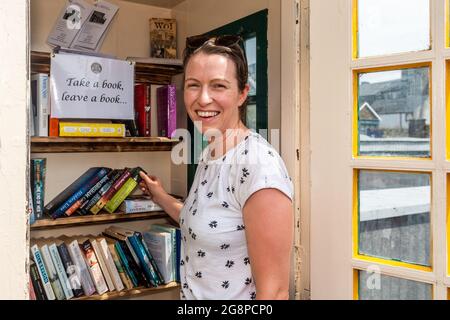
85, 207
123, 192
137, 206
42, 105
79, 193
60, 270
53, 127
67, 192
109, 261
70, 268
110, 193
37, 283
88, 194
148, 113
171, 110
94, 267
177, 253
38, 171
120, 268
69, 129
101, 260
144, 261
125, 262
81, 268
162, 110
160, 250
52, 274
159, 277
42, 272
31, 293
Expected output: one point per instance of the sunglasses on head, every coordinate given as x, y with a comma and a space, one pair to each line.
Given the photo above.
197, 42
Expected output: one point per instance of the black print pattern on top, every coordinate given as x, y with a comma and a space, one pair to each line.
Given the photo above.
216, 263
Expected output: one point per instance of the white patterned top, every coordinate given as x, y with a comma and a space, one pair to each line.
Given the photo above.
215, 263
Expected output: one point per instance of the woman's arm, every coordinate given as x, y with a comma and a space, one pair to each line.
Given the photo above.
268, 219
153, 187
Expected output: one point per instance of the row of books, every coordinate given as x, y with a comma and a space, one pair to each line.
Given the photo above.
97, 189
120, 259
154, 107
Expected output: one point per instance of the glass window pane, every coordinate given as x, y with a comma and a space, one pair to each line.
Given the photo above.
394, 113
251, 116
250, 50
394, 216
374, 286
393, 26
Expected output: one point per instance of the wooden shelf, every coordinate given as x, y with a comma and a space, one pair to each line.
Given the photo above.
135, 292
73, 145
144, 72
101, 218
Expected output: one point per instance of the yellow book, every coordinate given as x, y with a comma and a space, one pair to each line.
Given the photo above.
79, 129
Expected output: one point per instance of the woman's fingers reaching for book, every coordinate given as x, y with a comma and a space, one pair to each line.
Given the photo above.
152, 186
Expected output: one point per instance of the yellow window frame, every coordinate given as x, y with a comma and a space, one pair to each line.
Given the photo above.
377, 260
355, 130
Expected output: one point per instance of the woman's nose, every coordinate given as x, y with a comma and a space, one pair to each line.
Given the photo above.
205, 97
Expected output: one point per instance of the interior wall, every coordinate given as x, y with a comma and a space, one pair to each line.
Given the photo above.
13, 151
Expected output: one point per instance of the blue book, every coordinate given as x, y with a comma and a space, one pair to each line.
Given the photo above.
144, 259
38, 167
84, 188
124, 261
67, 192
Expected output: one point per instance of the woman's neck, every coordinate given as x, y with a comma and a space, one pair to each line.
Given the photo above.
219, 145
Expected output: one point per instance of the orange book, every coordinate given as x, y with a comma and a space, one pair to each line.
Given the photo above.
53, 130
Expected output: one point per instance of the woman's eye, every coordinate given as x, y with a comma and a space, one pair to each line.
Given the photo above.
192, 85
219, 86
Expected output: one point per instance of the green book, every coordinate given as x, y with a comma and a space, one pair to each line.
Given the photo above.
124, 191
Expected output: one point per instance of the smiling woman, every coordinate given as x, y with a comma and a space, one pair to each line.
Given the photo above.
237, 222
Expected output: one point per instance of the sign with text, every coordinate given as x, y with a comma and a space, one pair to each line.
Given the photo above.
88, 87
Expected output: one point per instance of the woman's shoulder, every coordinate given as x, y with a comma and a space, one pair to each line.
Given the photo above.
259, 148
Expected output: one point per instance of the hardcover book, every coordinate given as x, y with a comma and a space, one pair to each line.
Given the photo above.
167, 110
163, 38
78, 129
142, 109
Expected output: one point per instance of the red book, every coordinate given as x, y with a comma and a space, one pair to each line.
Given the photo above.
53, 130
142, 108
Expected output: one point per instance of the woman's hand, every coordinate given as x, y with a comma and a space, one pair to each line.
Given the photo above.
152, 186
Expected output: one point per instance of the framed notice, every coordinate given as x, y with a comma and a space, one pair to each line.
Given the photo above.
88, 87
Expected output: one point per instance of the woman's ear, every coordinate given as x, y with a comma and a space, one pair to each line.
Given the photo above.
244, 94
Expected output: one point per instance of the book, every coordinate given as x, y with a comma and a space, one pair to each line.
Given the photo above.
154, 109
111, 191
85, 198
124, 191
103, 266
85, 207
60, 211
40, 103
167, 110
53, 127
82, 129
37, 257
30, 206
70, 268
162, 61
139, 203
36, 281
38, 173
60, 270
176, 244
119, 266
110, 264
142, 109
68, 191
160, 246
143, 256
163, 38
128, 257
81, 268
52, 274
94, 267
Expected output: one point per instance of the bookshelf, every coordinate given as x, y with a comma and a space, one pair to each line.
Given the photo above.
150, 73
133, 293
70, 145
